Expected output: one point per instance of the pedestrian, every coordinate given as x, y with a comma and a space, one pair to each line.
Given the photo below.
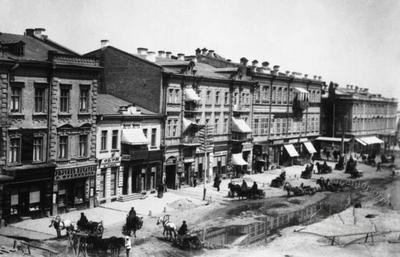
194, 181
128, 245
378, 166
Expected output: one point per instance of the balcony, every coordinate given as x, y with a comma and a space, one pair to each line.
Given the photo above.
135, 154
240, 137
190, 140
192, 108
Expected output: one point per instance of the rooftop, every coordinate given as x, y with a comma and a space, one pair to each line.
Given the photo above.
110, 105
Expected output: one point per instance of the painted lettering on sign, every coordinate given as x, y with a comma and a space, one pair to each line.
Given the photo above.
110, 162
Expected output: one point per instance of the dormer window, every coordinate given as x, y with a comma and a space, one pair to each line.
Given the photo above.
15, 48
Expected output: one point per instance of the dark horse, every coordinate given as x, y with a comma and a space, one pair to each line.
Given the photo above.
237, 189
133, 223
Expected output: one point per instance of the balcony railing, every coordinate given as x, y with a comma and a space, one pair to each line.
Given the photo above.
240, 137
190, 140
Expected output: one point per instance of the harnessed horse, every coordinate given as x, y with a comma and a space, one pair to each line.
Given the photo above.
60, 224
168, 226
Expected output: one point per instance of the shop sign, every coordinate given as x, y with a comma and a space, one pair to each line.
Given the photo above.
110, 162
76, 172
278, 142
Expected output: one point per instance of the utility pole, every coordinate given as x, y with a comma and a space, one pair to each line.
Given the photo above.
205, 138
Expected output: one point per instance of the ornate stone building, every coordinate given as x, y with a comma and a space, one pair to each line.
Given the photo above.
48, 98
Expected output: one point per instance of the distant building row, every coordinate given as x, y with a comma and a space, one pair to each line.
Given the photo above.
77, 131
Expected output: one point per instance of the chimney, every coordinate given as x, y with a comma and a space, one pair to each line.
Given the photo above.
151, 56
211, 53
254, 63
198, 51
181, 57
142, 51
161, 54
39, 32
276, 68
204, 51
265, 65
29, 32
351, 87
228, 60
104, 43
315, 77
168, 55
287, 72
305, 76
356, 88
243, 61
319, 78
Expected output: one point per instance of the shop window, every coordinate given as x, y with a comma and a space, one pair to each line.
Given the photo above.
113, 181
114, 141
34, 199
14, 203
15, 150
102, 183
38, 149
79, 192
16, 99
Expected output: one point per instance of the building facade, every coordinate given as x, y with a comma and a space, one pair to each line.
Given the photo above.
35, 74
128, 150
285, 110
365, 121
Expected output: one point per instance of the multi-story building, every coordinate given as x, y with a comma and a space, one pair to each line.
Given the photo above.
281, 130
363, 121
128, 149
192, 95
48, 96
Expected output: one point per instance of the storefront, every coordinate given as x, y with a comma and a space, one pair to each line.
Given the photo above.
171, 168
109, 174
368, 145
74, 187
27, 197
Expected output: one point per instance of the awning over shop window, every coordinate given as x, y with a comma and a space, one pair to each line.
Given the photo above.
239, 125
291, 150
186, 124
133, 137
370, 140
237, 159
332, 139
360, 141
190, 95
310, 147
301, 90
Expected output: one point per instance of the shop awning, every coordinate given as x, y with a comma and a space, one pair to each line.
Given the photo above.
332, 139
291, 150
237, 159
310, 147
186, 124
239, 125
360, 141
133, 136
370, 140
190, 95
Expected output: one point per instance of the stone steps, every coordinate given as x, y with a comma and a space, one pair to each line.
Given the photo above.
131, 197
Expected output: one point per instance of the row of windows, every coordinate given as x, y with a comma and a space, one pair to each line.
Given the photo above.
373, 124
63, 146
103, 140
281, 95
41, 99
16, 148
374, 109
283, 125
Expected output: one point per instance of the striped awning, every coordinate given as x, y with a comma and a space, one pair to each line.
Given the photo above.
239, 125
369, 140
134, 136
237, 159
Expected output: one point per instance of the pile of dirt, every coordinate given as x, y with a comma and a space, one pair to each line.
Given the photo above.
183, 204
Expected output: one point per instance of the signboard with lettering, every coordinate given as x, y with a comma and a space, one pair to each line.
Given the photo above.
110, 162
76, 172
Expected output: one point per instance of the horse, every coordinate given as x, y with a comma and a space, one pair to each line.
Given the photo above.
168, 226
114, 244
296, 190
60, 224
133, 223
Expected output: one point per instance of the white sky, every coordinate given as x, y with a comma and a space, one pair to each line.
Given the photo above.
347, 41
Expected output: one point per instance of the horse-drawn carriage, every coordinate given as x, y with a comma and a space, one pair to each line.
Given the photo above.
92, 229
133, 223
188, 242
299, 190
243, 191
327, 185
307, 172
279, 181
